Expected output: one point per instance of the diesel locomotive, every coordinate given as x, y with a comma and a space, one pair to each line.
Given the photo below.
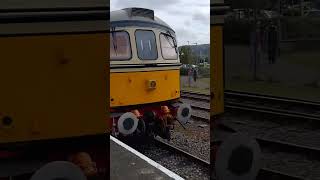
144, 75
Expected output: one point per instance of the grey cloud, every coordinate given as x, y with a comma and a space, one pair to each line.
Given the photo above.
202, 18
187, 23
179, 14
186, 35
175, 11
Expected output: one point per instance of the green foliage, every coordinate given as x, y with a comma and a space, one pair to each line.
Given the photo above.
183, 71
206, 59
204, 72
186, 56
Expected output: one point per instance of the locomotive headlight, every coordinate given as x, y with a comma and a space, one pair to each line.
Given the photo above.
152, 84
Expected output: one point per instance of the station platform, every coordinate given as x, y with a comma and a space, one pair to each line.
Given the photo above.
128, 164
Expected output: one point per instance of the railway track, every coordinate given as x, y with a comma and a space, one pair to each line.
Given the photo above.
260, 103
283, 159
284, 144
298, 110
195, 96
200, 103
266, 172
193, 158
175, 159
272, 105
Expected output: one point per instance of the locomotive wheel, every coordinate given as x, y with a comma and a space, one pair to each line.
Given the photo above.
238, 158
62, 170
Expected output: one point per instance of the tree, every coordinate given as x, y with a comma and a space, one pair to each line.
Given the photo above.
206, 59
185, 55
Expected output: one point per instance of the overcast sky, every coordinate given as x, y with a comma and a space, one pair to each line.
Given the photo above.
189, 18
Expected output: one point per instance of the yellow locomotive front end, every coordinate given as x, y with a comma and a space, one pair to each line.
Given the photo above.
144, 72
141, 87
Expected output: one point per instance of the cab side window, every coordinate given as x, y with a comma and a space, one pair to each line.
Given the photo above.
168, 47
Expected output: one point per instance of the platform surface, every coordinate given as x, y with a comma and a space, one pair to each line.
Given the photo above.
128, 164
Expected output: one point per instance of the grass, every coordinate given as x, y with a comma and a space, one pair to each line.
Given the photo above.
202, 86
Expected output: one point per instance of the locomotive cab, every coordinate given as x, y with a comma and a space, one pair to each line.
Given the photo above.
144, 75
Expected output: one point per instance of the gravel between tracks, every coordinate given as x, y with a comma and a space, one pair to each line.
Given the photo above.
176, 163
194, 139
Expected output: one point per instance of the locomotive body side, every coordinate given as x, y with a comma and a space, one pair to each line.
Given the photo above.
48, 83
53, 88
